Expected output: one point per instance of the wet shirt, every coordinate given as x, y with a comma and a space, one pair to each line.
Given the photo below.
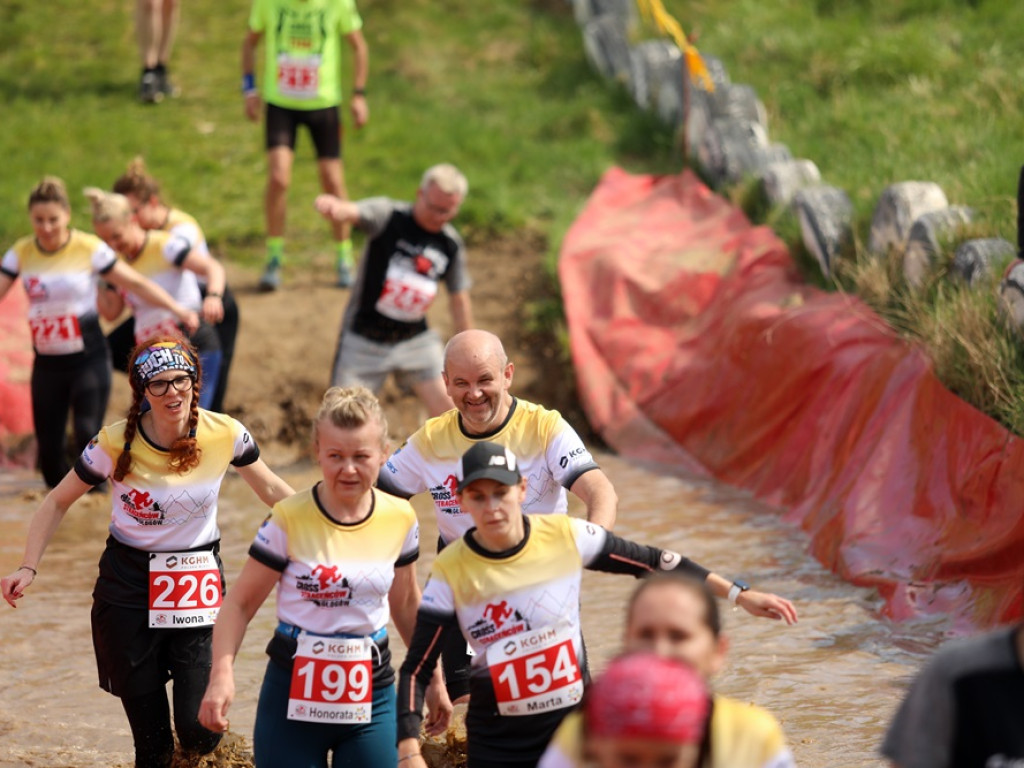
302, 49
160, 260
741, 736
335, 577
551, 458
154, 508
400, 272
61, 288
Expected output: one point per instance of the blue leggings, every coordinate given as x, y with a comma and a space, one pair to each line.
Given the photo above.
282, 743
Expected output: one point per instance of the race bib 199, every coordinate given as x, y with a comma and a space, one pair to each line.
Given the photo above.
535, 671
332, 680
184, 589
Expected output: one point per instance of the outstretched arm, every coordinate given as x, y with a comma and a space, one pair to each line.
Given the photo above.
40, 530
124, 276
360, 72
337, 210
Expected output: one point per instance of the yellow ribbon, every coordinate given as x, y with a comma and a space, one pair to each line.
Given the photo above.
653, 11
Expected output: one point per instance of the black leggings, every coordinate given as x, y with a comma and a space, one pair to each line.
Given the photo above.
150, 719
83, 389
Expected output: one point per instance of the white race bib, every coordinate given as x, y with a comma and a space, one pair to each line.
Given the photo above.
184, 589
535, 671
298, 77
55, 329
332, 680
407, 295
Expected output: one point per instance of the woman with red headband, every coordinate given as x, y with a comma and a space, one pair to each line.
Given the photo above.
645, 711
161, 578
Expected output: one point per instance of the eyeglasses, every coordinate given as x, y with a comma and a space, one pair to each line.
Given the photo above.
159, 387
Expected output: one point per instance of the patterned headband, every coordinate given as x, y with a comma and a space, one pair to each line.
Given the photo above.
163, 356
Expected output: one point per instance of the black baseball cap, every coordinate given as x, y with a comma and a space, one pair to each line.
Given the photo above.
489, 461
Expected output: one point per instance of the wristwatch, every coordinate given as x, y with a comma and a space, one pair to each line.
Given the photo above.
738, 587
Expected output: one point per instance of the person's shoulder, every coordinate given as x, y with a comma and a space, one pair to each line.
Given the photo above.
214, 421
24, 244
739, 724
394, 506
965, 656
545, 419
294, 507
435, 431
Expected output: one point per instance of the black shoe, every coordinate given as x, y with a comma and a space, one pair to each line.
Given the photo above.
164, 82
149, 88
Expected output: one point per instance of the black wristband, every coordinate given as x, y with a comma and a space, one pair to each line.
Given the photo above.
359, 92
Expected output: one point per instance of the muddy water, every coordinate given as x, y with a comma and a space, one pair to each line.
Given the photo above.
833, 679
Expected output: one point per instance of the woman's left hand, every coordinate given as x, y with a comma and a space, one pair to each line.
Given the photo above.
439, 707
767, 605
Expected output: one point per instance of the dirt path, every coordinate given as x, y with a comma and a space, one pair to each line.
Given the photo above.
287, 339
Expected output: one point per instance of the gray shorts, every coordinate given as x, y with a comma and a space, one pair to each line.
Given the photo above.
361, 361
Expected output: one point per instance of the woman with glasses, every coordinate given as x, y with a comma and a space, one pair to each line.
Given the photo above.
171, 262
161, 578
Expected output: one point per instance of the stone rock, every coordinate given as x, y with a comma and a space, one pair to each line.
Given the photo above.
826, 223
898, 208
974, 259
606, 45
783, 179
928, 235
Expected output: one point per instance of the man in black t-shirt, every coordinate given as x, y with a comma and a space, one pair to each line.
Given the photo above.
411, 248
965, 708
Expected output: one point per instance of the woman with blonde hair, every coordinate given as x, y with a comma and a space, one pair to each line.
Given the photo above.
173, 263
342, 556
160, 579
60, 268
142, 191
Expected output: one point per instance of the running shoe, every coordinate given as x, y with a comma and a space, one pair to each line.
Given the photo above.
167, 88
271, 278
344, 274
149, 88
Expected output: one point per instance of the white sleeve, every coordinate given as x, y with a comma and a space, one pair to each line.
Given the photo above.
783, 759
10, 265
567, 456
176, 249
270, 547
553, 757
246, 451
95, 461
103, 258
438, 596
411, 546
190, 234
404, 473
590, 539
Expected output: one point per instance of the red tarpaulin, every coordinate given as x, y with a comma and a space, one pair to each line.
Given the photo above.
696, 344
16, 445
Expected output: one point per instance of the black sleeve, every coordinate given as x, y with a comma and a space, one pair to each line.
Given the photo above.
385, 484
624, 556
428, 639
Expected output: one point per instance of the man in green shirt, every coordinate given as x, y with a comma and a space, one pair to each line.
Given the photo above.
301, 85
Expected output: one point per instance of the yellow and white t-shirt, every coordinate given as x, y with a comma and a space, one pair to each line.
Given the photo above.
183, 225
160, 260
537, 586
154, 508
61, 288
551, 457
742, 736
335, 577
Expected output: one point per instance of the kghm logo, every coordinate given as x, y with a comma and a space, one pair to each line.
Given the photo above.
510, 648
172, 561
318, 647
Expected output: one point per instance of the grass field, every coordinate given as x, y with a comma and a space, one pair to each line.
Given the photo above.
874, 92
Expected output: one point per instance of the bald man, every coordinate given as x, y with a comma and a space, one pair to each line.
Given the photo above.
477, 375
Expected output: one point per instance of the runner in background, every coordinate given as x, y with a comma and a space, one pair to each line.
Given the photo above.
410, 249
301, 85
156, 22
645, 711
965, 708
478, 376
143, 194
342, 556
511, 586
677, 616
161, 578
60, 268
170, 261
